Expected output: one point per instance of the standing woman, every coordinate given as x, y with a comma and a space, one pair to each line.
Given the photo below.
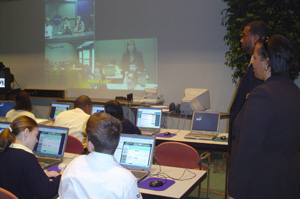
114, 108
22, 106
20, 171
266, 132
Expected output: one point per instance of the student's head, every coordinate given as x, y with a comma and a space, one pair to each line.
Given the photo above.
114, 108
252, 33
23, 101
22, 130
85, 103
103, 133
274, 55
131, 46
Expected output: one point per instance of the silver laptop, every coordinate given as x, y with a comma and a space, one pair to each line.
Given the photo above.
97, 109
204, 126
135, 153
55, 109
149, 120
50, 148
5, 106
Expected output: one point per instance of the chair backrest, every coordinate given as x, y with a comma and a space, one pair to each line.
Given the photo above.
4, 194
74, 145
177, 154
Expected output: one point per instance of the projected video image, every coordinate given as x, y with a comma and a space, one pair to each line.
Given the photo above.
73, 59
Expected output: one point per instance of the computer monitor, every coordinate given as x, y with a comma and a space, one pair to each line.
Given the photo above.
6, 78
195, 99
6, 106
56, 108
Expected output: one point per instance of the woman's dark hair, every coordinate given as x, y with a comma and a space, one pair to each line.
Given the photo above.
103, 131
23, 101
131, 43
280, 51
8, 136
114, 108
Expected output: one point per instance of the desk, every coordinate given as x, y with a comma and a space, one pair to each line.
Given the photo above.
198, 144
180, 189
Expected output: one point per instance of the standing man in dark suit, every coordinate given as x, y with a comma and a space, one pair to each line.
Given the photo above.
251, 34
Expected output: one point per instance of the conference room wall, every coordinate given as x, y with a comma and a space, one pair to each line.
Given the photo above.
191, 50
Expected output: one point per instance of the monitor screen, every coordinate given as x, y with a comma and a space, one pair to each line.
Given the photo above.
57, 108
5, 79
6, 106
97, 109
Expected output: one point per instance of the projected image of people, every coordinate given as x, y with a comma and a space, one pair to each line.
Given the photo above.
66, 27
48, 28
132, 60
79, 25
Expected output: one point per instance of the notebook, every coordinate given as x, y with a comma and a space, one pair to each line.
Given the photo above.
56, 108
4, 125
205, 125
50, 148
135, 153
5, 106
149, 120
97, 109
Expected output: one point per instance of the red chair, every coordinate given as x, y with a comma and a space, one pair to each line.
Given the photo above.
181, 155
5, 194
74, 145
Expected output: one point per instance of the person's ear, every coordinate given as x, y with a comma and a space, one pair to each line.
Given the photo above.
26, 132
90, 146
255, 38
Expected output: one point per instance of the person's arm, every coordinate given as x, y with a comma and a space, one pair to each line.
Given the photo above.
257, 116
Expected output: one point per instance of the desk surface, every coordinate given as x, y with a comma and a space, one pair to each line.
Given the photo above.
198, 144
180, 188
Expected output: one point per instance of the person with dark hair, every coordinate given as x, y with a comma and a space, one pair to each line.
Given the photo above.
264, 159
251, 34
132, 60
115, 109
66, 27
98, 174
79, 25
20, 171
22, 106
76, 118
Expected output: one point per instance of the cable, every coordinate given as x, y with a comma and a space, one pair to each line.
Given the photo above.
166, 176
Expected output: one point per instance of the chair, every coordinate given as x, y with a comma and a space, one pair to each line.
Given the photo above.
5, 194
74, 145
178, 154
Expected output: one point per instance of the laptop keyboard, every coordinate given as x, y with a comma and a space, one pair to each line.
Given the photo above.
138, 174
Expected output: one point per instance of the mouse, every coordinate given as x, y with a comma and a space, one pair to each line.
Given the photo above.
62, 166
167, 133
223, 137
156, 183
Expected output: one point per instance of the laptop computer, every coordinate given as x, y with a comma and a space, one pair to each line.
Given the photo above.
149, 120
50, 148
5, 106
135, 153
56, 108
4, 125
204, 125
97, 109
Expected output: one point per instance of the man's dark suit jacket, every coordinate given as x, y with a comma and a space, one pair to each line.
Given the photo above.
247, 83
264, 158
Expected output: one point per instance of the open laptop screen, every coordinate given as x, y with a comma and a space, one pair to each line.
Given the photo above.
205, 121
6, 106
4, 125
148, 118
51, 141
97, 109
135, 151
57, 108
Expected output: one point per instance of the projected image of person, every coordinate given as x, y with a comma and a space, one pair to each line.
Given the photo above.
91, 23
66, 27
132, 60
79, 25
48, 28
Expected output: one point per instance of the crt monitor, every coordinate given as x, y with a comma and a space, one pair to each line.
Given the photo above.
195, 99
6, 79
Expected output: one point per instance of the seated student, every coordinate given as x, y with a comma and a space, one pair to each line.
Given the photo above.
114, 108
98, 174
20, 171
22, 106
75, 119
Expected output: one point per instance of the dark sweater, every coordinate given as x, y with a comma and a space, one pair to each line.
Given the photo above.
129, 128
21, 174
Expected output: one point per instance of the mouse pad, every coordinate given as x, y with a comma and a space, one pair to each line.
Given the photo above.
146, 184
218, 139
165, 136
54, 168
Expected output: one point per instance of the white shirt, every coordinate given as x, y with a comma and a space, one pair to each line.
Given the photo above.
13, 114
75, 120
97, 175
